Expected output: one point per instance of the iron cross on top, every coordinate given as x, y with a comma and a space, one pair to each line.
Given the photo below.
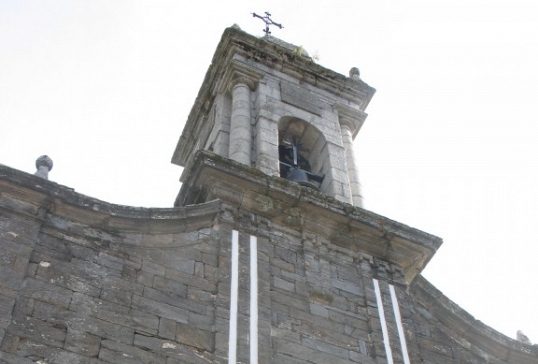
267, 21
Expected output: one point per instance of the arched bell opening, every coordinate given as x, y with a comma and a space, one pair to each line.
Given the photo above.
301, 149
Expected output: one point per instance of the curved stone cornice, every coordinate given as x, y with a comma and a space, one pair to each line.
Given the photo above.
465, 328
34, 197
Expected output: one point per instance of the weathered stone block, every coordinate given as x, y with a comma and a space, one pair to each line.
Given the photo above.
6, 358
153, 268
9, 343
306, 353
38, 330
109, 261
6, 307
349, 286
65, 275
82, 252
197, 338
199, 295
160, 309
46, 292
11, 278
282, 284
298, 96
167, 328
182, 262
319, 310
144, 278
93, 271
174, 350
12, 204
54, 246
204, 322
190, 280
333, 350
175, 301
435, 348
115, 352
169, 286
122, 284
102, 309
143, 322
82, 343
281, 264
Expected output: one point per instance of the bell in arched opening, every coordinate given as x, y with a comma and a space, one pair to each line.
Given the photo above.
295, 167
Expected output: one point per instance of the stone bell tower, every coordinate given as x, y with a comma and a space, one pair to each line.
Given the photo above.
304, 272
265, 104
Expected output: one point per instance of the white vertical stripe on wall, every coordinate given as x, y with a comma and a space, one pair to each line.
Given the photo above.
399, 324
384, 329
253, 300
234, 283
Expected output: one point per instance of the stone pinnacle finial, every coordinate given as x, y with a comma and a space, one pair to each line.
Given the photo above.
354, 74
43, 165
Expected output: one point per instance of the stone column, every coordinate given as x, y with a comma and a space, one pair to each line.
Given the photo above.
267, 146
240, 126
353, 171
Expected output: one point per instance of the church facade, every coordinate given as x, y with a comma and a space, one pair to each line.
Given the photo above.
266, 257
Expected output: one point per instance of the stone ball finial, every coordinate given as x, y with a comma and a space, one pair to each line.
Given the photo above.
43, 165
354, 73
236, 26
521, 337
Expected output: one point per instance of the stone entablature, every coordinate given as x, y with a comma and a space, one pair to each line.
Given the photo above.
210, 176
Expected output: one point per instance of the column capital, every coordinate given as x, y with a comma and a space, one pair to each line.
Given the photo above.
238, 72
351, 117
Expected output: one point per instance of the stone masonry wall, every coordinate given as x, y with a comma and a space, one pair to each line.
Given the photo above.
74, 294
317, 304
321, 302
17, 239
139, 292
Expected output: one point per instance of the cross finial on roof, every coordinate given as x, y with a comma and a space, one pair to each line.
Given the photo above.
267, 20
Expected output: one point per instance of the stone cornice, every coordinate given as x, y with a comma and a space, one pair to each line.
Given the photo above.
34, 197
465, 328
210, 176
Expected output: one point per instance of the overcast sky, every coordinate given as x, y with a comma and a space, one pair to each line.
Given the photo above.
449, 147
